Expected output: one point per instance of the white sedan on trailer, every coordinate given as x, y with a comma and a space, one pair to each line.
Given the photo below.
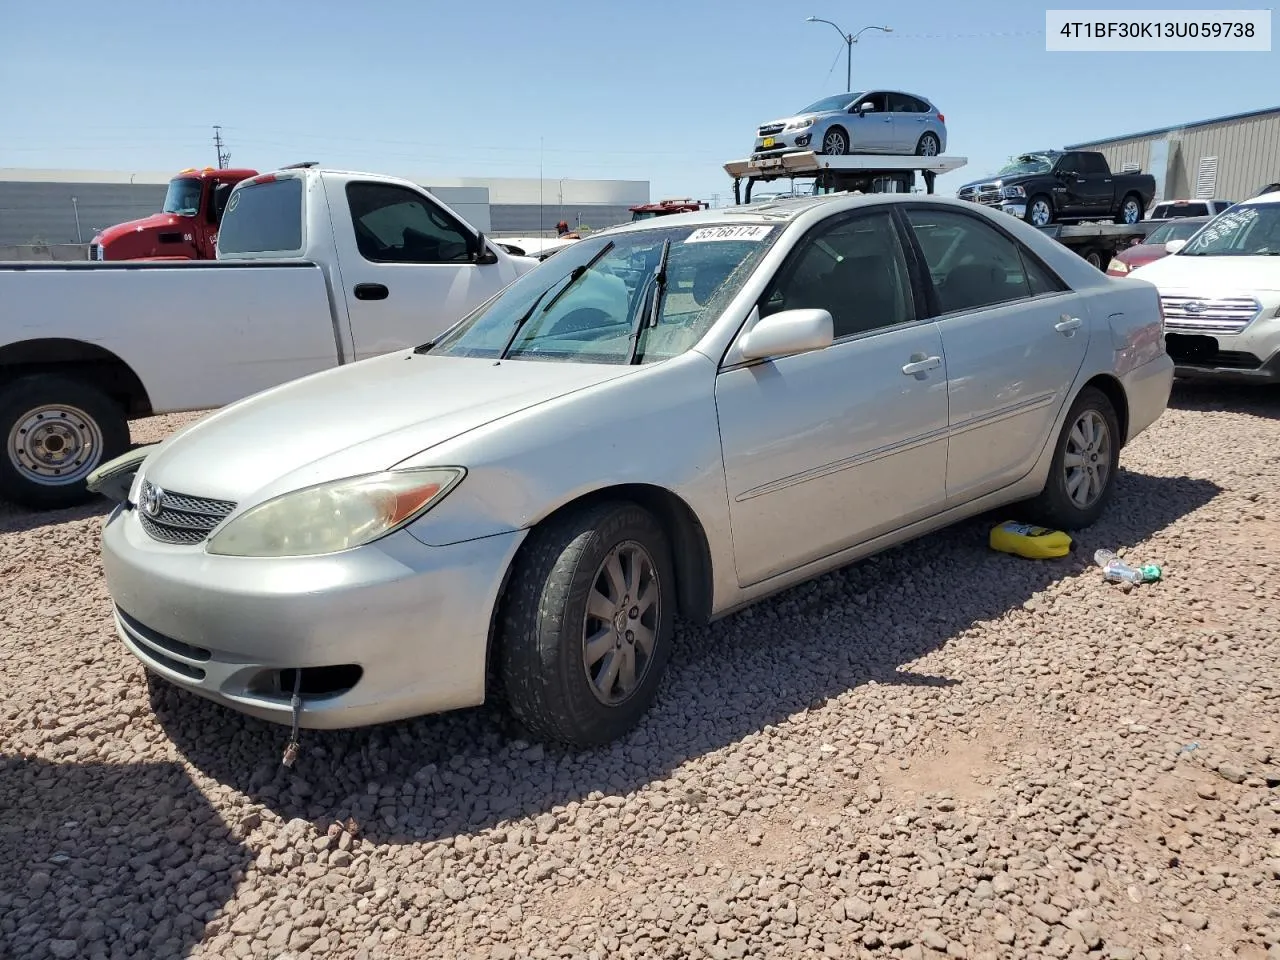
677, 416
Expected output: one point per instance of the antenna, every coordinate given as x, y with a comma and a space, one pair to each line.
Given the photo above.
224, 158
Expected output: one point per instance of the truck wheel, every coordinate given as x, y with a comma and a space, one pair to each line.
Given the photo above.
1039, 211
56, 432
1096, 258
835, 142
587, 623
1130, 210
928, 146
1082, 476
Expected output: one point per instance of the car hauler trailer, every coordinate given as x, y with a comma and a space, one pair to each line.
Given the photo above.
831, 174
1099, 242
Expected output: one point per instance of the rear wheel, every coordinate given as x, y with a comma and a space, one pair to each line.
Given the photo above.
56, 432
835, 142
587, 624
1085, 460
1096, 258
928, 146
1130, 210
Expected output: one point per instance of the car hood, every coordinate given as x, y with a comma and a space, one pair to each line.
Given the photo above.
157, 221
1212, 276
798, 117
353, 420
1142, 253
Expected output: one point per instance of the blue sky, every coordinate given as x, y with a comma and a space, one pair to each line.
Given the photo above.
662, 91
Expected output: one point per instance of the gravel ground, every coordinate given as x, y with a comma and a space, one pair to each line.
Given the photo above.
940, 752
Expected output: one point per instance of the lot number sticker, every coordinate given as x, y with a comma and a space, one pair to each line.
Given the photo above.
752, 232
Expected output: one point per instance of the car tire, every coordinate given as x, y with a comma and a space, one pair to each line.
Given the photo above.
565, 639
1096, 258
1130, 206
1033, 207
929, 146
38, 411
835, 142
1059, 504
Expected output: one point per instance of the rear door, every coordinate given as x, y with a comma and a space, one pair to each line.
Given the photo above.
909, 116
406, 264
1014, 337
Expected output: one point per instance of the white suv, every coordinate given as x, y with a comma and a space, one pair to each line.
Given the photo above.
1221, 295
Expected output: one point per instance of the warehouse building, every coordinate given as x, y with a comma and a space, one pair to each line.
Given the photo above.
1227, 158
70, 206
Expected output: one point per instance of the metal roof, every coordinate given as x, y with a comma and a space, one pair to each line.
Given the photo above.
1177, 126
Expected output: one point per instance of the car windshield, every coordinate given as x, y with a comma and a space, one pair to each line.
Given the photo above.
1246, 230
831, 104
1173, 230
183, 198
643, 214
583, 304
1029, 163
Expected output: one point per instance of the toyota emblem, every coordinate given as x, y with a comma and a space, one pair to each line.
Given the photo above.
152, 500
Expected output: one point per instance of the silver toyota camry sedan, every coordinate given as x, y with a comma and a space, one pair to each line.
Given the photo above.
672, 418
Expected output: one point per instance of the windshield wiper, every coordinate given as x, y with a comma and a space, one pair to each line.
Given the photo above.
649, 318
574, 276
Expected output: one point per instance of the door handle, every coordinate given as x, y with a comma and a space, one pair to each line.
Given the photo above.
920, 365
1068, 325
370, 291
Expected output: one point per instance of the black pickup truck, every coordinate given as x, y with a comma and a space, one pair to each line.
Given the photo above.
1052, 186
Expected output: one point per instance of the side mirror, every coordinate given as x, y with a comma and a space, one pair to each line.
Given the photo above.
220, 194
1173, 246
114, 478
787, 333
483, 254
866, 107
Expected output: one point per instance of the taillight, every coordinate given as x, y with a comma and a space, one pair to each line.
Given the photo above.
941, 117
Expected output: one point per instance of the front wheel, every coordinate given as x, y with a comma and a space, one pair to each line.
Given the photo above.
1130, 211
1039, 211
587, 624
57, 431
1085, 460
835, 142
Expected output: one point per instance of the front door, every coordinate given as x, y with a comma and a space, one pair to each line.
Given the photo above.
827, 449
871, 131
407, 274
1015, 337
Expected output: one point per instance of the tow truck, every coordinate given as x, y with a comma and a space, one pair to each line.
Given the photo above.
1095, 242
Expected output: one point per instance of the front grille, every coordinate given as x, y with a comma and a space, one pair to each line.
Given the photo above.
1209, 314
987, 193
769, 129
95, 251
178, 517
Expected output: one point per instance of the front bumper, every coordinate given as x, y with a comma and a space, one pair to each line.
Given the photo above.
1250, 356
413, 618
1267, 371
793, 141
1016, 208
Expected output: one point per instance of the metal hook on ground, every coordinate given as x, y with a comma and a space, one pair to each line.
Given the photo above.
291, 748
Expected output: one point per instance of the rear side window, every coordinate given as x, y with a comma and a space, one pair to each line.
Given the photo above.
263, 218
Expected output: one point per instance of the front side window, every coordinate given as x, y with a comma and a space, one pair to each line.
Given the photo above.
182, 198
878, 102
394, 224
854, 268
587, 302
263, 218
973, 265
1246, 230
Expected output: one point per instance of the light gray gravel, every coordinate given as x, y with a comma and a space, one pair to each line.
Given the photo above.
941, 752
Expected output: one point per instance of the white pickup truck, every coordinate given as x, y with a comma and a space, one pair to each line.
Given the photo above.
315, 268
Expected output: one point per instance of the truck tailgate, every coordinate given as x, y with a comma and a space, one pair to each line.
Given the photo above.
197, 334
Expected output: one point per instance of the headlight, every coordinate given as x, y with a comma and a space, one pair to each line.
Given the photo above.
334, 516
1013, 193
800, 124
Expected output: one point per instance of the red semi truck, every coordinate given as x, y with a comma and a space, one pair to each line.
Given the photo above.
185, 229
665, 208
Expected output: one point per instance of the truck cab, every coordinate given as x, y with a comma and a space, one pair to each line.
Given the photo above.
665, 208
186, 228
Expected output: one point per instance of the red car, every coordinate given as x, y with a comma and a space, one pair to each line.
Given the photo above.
1152, 248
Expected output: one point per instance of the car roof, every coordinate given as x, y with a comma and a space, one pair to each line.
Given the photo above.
1273, 197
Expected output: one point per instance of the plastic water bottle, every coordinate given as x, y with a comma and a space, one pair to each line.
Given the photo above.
1117, 571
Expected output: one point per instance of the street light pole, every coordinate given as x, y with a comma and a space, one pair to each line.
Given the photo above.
76, 208
849, 40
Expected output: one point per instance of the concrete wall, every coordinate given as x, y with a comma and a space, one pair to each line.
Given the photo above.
31, 251
1248, 152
